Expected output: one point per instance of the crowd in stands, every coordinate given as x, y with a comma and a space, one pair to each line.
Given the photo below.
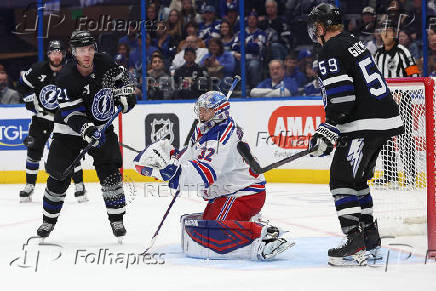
193, 45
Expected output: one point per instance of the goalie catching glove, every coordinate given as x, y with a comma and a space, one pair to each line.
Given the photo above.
324, 139
158, 161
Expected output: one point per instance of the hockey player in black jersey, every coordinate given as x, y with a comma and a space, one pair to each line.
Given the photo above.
86, 103
360, 116
40, 96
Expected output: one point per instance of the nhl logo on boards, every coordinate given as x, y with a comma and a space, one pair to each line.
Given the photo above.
162, 125
162, 128
49, 97
103, 105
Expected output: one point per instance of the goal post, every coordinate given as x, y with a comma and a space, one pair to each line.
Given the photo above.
404, 183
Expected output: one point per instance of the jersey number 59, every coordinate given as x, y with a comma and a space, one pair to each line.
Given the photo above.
380, 89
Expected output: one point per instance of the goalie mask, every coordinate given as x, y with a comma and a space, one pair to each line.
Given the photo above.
217, 102
325, 14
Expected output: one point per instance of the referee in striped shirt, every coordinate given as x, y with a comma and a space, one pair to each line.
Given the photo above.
395, 61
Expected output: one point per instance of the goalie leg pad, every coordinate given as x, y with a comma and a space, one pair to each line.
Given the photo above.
212, 239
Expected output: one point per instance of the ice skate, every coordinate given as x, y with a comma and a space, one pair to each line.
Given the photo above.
372, 242
45, 229
118, 230
80, 193
26, 193
354, 248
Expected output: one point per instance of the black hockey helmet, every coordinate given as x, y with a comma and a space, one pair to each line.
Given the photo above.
55, 45
81, 38
324, 13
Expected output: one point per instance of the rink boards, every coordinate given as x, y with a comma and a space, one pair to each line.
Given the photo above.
274, 128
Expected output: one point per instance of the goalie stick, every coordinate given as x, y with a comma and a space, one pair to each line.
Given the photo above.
153, 239
244, 151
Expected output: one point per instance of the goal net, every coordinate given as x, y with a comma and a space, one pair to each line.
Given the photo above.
403, 187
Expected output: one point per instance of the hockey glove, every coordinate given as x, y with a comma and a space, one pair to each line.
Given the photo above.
92, 135
125, 97
325, 139
28, 100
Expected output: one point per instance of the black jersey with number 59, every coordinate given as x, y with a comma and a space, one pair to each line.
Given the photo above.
356, 96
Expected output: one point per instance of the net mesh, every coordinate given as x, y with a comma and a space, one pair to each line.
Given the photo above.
399, 187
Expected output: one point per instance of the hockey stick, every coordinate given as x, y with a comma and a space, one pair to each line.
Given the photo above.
153, 239
70, 169
233, 86
244, 151
129, 147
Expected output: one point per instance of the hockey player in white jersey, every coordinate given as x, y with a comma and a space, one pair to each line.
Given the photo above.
235, 195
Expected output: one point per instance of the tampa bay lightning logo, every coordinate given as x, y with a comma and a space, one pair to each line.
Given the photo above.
103, 105
49, 97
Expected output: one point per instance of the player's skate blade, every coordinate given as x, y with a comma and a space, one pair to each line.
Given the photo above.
26, 193
80, 193
356, 260
45, 229
118, 230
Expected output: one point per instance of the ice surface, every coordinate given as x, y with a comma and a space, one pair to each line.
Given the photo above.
307, 211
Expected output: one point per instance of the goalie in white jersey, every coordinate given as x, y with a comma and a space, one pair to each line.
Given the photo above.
234, 193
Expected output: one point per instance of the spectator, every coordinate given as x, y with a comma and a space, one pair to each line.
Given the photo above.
367, 28
175, 26
210, 27
192, 42
158, 80
304, 56
405, 39
124, 50
432, 55
191, 30
255, 41
7, 95
292, 70
227, 36
162, 12
277, 85
312, 87
232, 17
191, 79
225, 5
135, 57
188, 13
131, 39
277, 31
164, 42
218, 62
151, 20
